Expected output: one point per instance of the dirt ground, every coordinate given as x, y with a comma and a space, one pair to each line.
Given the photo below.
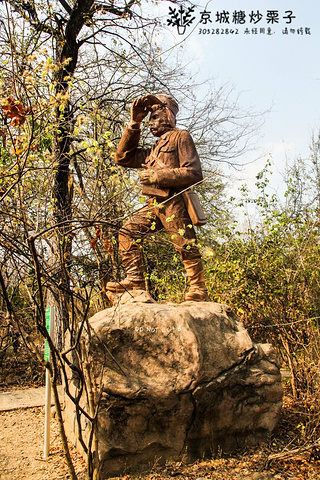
21, 448
21, 457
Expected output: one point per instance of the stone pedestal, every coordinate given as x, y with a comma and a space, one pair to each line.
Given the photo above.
177, 380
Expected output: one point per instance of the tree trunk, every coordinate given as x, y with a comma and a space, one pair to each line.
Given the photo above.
67, 49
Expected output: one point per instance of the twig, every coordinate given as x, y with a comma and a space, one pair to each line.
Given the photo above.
292, 453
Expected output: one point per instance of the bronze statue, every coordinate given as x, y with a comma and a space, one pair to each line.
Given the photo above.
169, 167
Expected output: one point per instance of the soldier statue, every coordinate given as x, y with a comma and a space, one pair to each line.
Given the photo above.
168, 168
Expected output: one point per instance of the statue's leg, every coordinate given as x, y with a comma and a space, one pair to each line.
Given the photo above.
182, 232
130, 238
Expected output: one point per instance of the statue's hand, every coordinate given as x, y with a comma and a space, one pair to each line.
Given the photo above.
142, 106
147, 177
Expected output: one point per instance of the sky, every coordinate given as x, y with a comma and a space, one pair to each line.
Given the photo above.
279, 73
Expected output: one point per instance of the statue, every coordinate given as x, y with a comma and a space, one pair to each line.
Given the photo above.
169, 167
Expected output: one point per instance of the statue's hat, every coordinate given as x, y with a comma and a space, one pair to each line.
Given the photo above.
172, 106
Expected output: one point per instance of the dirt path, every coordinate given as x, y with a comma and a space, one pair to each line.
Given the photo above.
21, 448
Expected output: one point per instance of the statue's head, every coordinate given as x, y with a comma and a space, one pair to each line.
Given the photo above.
163, 116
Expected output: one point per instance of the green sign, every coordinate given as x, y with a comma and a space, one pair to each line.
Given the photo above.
46, 345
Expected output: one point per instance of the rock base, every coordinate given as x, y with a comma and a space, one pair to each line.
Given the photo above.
177, 381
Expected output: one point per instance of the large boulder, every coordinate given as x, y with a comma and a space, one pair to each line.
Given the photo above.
178, 380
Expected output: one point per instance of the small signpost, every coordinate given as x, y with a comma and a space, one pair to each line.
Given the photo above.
49, 327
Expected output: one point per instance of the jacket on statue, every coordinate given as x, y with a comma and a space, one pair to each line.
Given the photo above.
173, 158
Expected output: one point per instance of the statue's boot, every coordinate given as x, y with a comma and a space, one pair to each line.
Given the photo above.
133, 264
198, 291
